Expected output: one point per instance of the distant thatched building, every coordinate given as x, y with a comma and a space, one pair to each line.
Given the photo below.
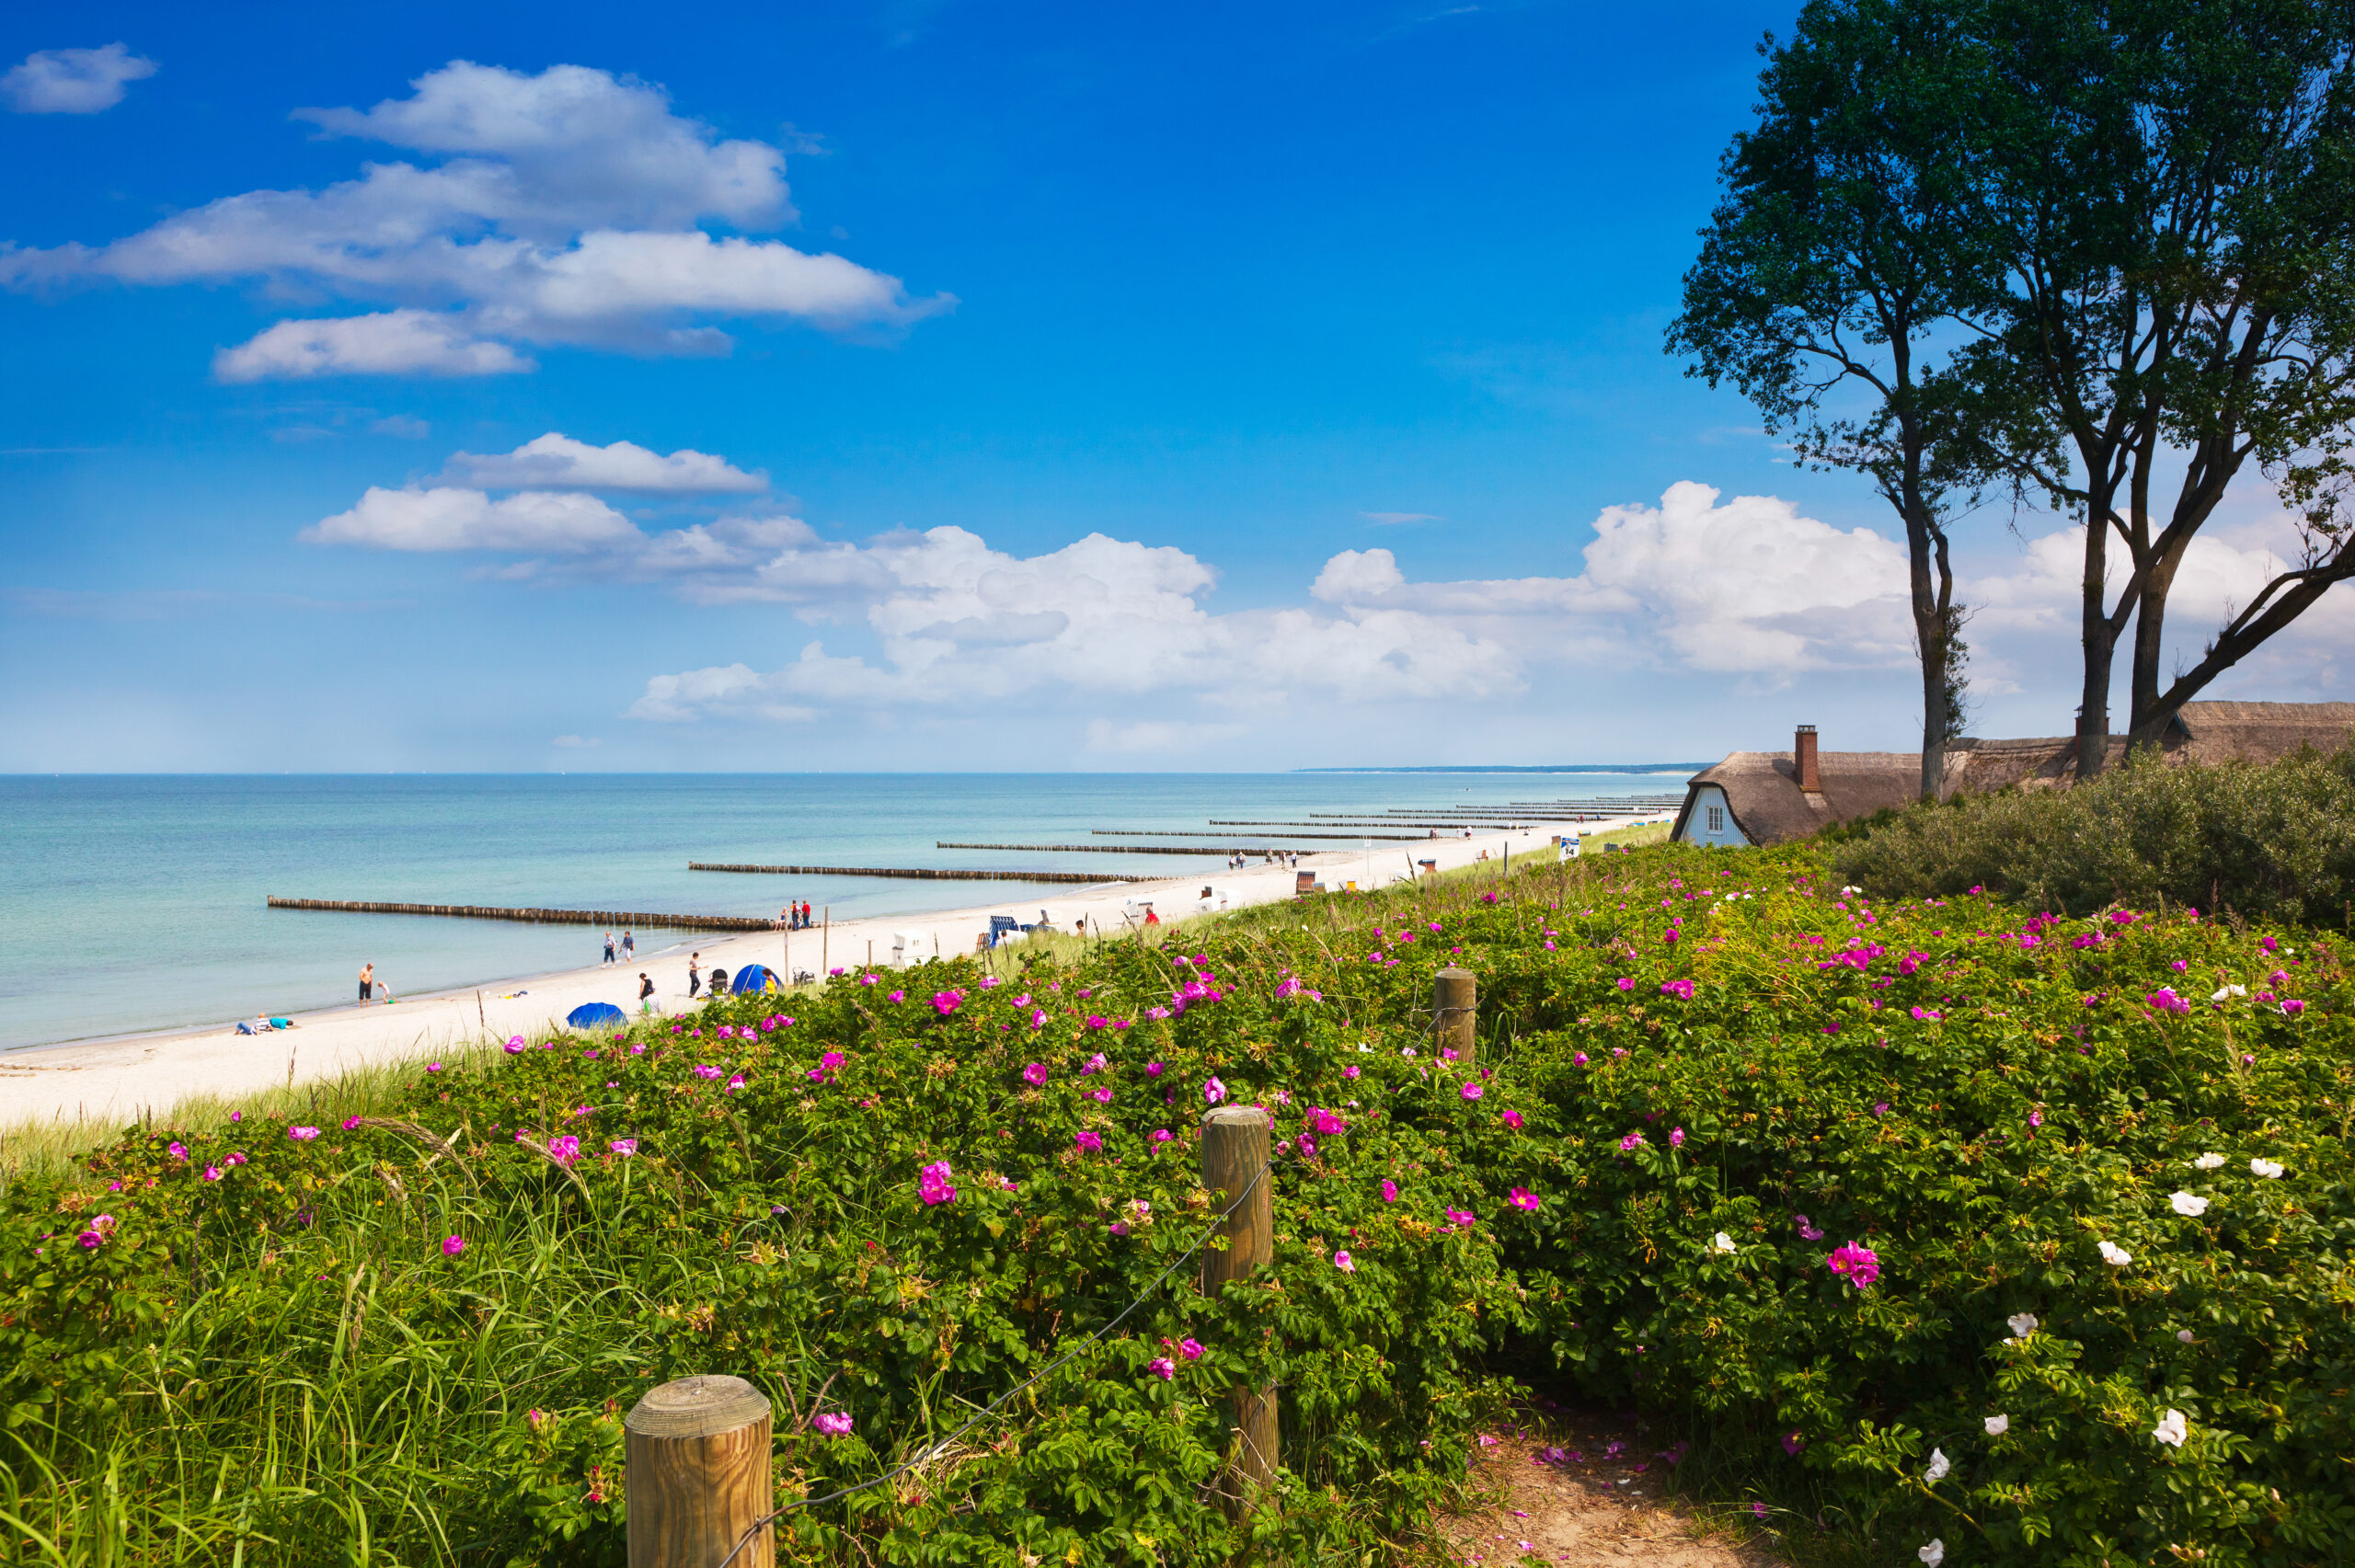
1768, 798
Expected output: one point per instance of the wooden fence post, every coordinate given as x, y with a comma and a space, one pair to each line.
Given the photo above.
698, 1474
1455, 1004
1235, 1162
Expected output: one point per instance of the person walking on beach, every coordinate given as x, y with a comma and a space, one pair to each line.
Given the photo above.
630, 948
367, 980
695, 975
645, 993
609, 948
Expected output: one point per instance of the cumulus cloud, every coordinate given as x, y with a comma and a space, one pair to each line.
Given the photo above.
1357, 574
73, 81
555, 462
565, 209
1744, 587
400, 342
448, 518
1747, 586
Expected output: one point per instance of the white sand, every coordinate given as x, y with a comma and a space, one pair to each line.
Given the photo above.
130, 1077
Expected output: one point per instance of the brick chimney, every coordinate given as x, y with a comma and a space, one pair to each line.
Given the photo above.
1803, 756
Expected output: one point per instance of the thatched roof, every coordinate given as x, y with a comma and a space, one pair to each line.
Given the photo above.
2262, 732
1762, 788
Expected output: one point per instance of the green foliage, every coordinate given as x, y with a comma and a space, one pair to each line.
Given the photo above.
2275, 842
282, 1365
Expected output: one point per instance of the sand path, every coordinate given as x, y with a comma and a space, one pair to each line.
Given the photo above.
126, 1077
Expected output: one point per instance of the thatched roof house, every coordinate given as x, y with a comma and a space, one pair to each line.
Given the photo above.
1768, 798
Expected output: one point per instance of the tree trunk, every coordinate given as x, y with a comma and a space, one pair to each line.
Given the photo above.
2100, 642
1933, 716
2150, 632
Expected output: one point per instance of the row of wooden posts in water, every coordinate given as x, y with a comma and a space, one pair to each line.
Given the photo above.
699, 1449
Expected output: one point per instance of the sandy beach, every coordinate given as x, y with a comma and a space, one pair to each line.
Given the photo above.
123, 1078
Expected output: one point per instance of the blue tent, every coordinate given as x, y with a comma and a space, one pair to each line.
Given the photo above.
751, 978
596, 1015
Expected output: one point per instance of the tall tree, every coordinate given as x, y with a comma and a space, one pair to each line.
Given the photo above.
1848, 244
2171, 184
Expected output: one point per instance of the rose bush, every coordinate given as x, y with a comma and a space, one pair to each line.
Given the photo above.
1786, 1165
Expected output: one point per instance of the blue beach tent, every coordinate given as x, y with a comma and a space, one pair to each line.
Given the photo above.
596, 1015
752, 977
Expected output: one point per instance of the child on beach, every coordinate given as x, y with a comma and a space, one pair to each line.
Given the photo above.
695, 974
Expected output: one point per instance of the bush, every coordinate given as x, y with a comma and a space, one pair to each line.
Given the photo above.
1704, 1080
2275, 842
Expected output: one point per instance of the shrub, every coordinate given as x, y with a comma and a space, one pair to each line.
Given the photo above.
1963, 1107
2275, 842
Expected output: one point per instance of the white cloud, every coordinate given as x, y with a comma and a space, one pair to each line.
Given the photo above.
400, 342
73, 81
1357, 574
1749, 587
1745, 590
564, 211
447, 517
554, 462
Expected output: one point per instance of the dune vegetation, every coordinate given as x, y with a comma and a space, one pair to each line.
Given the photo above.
1943, 1220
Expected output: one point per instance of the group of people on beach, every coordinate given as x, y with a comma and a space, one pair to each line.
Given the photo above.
794, 917
370, 986
628, 949
1239, 860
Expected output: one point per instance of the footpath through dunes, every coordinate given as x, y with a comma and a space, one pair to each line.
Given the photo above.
1900, 1228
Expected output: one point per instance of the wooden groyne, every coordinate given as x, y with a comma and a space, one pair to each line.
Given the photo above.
927, 874
636, 918
1149, 834
1117, 849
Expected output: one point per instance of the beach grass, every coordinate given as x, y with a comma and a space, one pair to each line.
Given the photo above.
292, 1365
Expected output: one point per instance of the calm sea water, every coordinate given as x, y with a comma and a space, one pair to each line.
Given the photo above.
136, 902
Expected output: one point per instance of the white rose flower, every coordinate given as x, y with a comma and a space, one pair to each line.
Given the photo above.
2223, 991
2114, 1254
2023, 1324
1933, 1553
2270, 1169
2186, 1337
2208, 1161
2171, 1430
1724, 1243
2186, 1204
1998, 1424
1940, 1466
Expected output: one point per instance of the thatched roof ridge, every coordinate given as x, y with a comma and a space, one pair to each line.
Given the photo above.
2263, 732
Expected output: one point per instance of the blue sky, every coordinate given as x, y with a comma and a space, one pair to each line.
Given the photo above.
1043, 386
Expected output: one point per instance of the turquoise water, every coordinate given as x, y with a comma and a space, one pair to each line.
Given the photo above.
136, 902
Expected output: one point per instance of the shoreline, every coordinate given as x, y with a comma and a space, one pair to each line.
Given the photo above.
131, 1076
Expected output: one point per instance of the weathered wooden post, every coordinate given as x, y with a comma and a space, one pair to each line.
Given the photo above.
1455, 1003
1234, 1160
698, 1474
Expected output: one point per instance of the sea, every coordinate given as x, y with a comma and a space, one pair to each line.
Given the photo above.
131, 903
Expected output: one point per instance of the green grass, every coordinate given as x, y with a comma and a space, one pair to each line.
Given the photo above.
283, 1367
